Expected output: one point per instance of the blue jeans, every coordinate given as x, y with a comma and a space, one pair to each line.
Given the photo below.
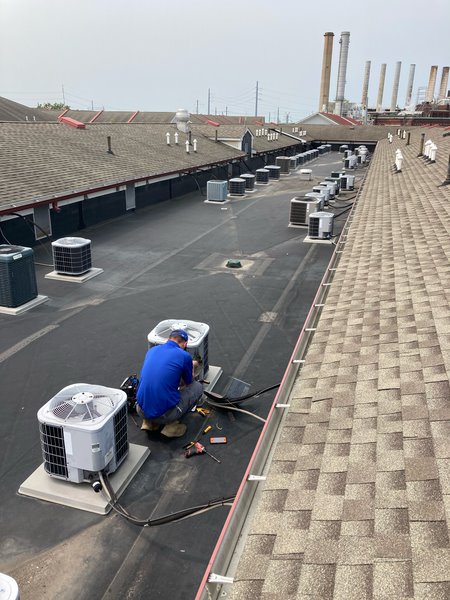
189, 396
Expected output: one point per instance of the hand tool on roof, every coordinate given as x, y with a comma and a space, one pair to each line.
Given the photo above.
202, 411
198, 448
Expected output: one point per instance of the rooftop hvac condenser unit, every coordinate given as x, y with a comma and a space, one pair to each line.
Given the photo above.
216, 191
347, 182
249, 181
83, 430
198, 339
72, 255
293, 162
321, 149
331, 185
320, 225
236, 186
343, 148
274, 171
301, 208
283, 163
17, 276
319, 195
337, 181
262, 176
325, 190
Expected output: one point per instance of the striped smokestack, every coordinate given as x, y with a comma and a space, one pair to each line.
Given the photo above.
324, 97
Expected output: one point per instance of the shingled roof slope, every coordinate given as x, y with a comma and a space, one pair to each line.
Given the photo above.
356, 505
42, 161
13, 111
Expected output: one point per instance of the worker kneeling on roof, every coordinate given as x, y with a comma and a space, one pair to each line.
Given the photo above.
167, 388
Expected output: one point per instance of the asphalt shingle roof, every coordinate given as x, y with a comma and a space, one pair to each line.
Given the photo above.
356, 504
48, 160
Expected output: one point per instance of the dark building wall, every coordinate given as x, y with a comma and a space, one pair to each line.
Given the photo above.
102, 208
152, 193
17, 232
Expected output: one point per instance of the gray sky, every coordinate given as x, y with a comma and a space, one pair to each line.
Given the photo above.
156, 55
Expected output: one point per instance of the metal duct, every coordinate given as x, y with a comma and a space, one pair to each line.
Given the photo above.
365, 89
381, 88
431, 83
444, 84
398, 68
326, 72
409, 88
342, 71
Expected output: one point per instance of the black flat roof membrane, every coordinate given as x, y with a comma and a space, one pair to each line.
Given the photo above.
168, 261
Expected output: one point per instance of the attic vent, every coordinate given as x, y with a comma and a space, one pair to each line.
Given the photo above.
72, 123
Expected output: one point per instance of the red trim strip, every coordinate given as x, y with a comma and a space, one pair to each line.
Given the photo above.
96, 116
133, 116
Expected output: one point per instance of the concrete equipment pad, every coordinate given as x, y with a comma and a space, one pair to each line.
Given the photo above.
74, 278
81, 495
18, 310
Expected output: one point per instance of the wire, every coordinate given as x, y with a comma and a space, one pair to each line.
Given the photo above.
230, 406
164, 520
241, 398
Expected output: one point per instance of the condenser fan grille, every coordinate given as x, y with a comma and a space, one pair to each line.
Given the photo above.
71, 409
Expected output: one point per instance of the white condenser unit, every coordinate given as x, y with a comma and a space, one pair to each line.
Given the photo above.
83, 430
320, 225
72, 255
198, 340
319, 195
216, 191
301, 208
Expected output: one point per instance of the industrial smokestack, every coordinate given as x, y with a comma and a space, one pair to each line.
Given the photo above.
342, 70
324, 97
431, 83
409, 88
398, 68
444, 84
381, 88
365, 89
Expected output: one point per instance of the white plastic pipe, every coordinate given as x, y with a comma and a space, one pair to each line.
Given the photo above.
168, 138
195, 145
187, 146
176, 137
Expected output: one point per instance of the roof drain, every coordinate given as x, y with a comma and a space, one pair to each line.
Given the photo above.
234, 263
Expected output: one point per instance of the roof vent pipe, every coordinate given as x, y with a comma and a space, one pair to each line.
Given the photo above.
176, 137
108, 139
398, 68
187, 146
381, 88
168, 138
195, 145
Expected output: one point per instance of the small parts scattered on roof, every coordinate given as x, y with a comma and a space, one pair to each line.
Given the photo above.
96, 116
211, 122
133, 116
72, 122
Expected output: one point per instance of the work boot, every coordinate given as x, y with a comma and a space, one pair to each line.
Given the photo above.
174, 430
149, 425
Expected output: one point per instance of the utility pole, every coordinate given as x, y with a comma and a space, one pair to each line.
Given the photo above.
197, 106
278, 114
256, 100
226, 111
209, 101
